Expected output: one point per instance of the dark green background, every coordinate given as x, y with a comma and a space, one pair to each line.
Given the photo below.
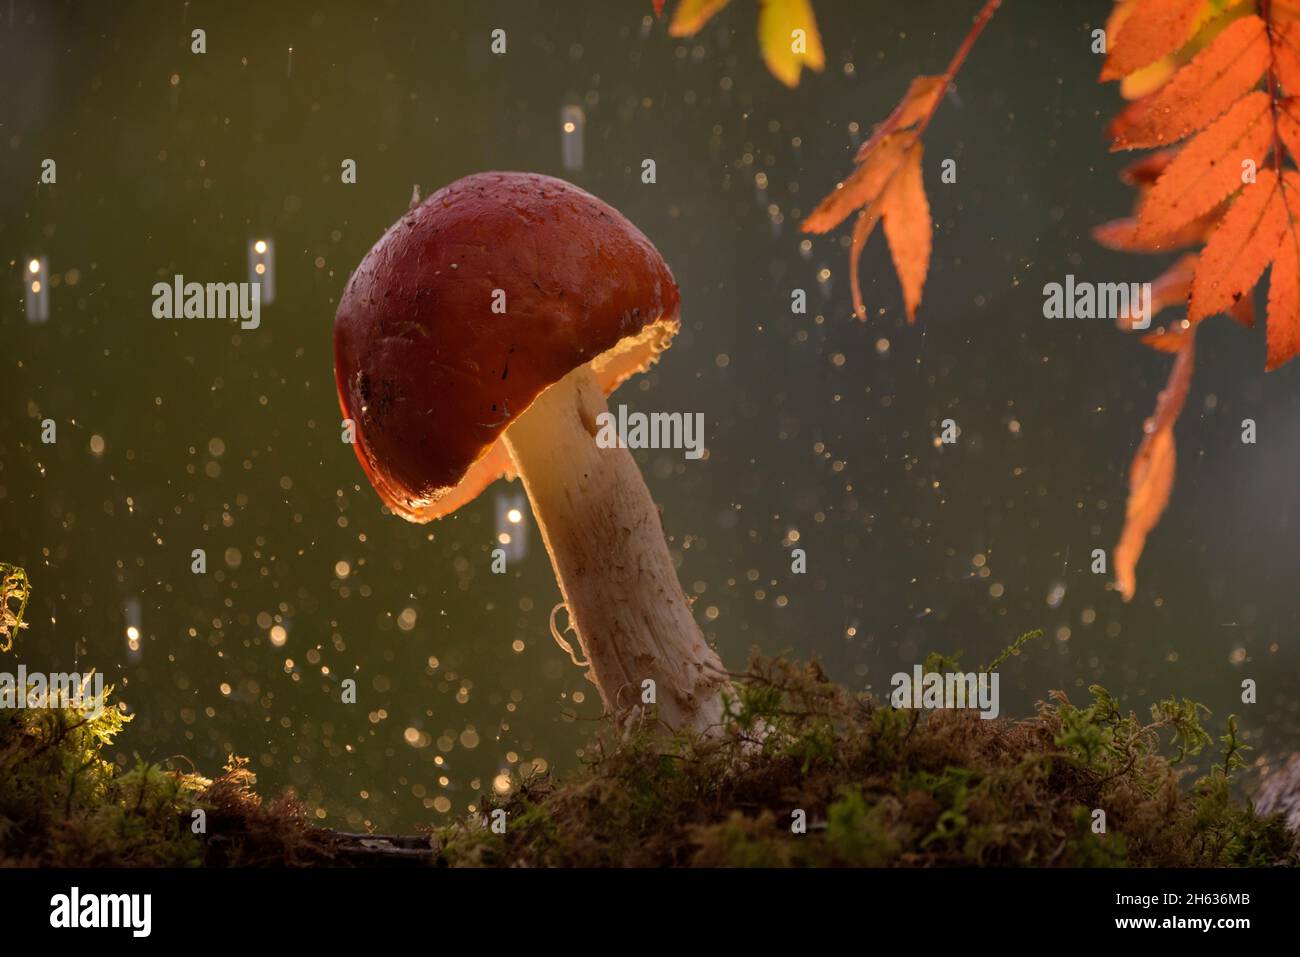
155, 178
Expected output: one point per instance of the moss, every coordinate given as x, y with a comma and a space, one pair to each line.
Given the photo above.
884, 787
876, 787
14, 592
63, 804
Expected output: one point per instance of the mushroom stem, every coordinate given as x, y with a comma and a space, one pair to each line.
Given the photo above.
606, 542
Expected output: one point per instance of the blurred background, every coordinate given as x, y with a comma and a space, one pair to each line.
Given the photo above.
821, 430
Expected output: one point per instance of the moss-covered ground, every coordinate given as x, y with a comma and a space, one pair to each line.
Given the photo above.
876, 787
805, 774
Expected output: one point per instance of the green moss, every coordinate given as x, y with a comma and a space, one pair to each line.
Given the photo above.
883, 787
876, 787
14, 592
64, 804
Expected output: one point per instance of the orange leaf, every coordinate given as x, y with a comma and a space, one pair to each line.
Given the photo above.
862, 187
1152, 29
1200, 92
1284, 302
1286, 56
1173, 338
918, 101
887, 174
1244, 311
690, 15
1240, 249
1148, 79
862, 230
1145, 170
1168, 340
879, 156
1288, 126
1209, 168
1151, 476
1169, 289
1127, 236
909, 229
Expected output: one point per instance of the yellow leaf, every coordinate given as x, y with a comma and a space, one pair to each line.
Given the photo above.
787, 33
1148, 79
690, 15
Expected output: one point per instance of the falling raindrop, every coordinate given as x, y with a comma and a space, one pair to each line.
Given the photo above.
824, 280
573, 123
131, 615
511, 524
37, 284
261, 268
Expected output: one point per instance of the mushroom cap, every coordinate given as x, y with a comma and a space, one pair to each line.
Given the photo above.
432, 376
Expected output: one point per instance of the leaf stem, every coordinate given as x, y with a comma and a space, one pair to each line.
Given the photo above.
959, 59
1266, 12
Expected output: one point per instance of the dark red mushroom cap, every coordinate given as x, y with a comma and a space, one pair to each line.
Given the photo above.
432, 376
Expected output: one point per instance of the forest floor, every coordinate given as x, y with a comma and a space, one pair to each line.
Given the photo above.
805, 773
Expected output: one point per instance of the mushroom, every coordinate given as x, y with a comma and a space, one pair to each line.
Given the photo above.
478, 339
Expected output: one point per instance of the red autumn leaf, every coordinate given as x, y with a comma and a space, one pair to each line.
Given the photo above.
1244, 311
1167, 340
862, 229
863, 186
921, 98
903, 206
1153, 28
879, 158
908, 229
1167, 290
1145, 170
1127, 236
1151, 476
1286, 56
1200, 92
1288, 125
1283, 333
888, 183
1213, 187
1173, 337
1241, 247
1209, 168
1171, 289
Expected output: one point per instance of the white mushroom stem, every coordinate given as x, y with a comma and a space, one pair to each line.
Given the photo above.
606, 542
